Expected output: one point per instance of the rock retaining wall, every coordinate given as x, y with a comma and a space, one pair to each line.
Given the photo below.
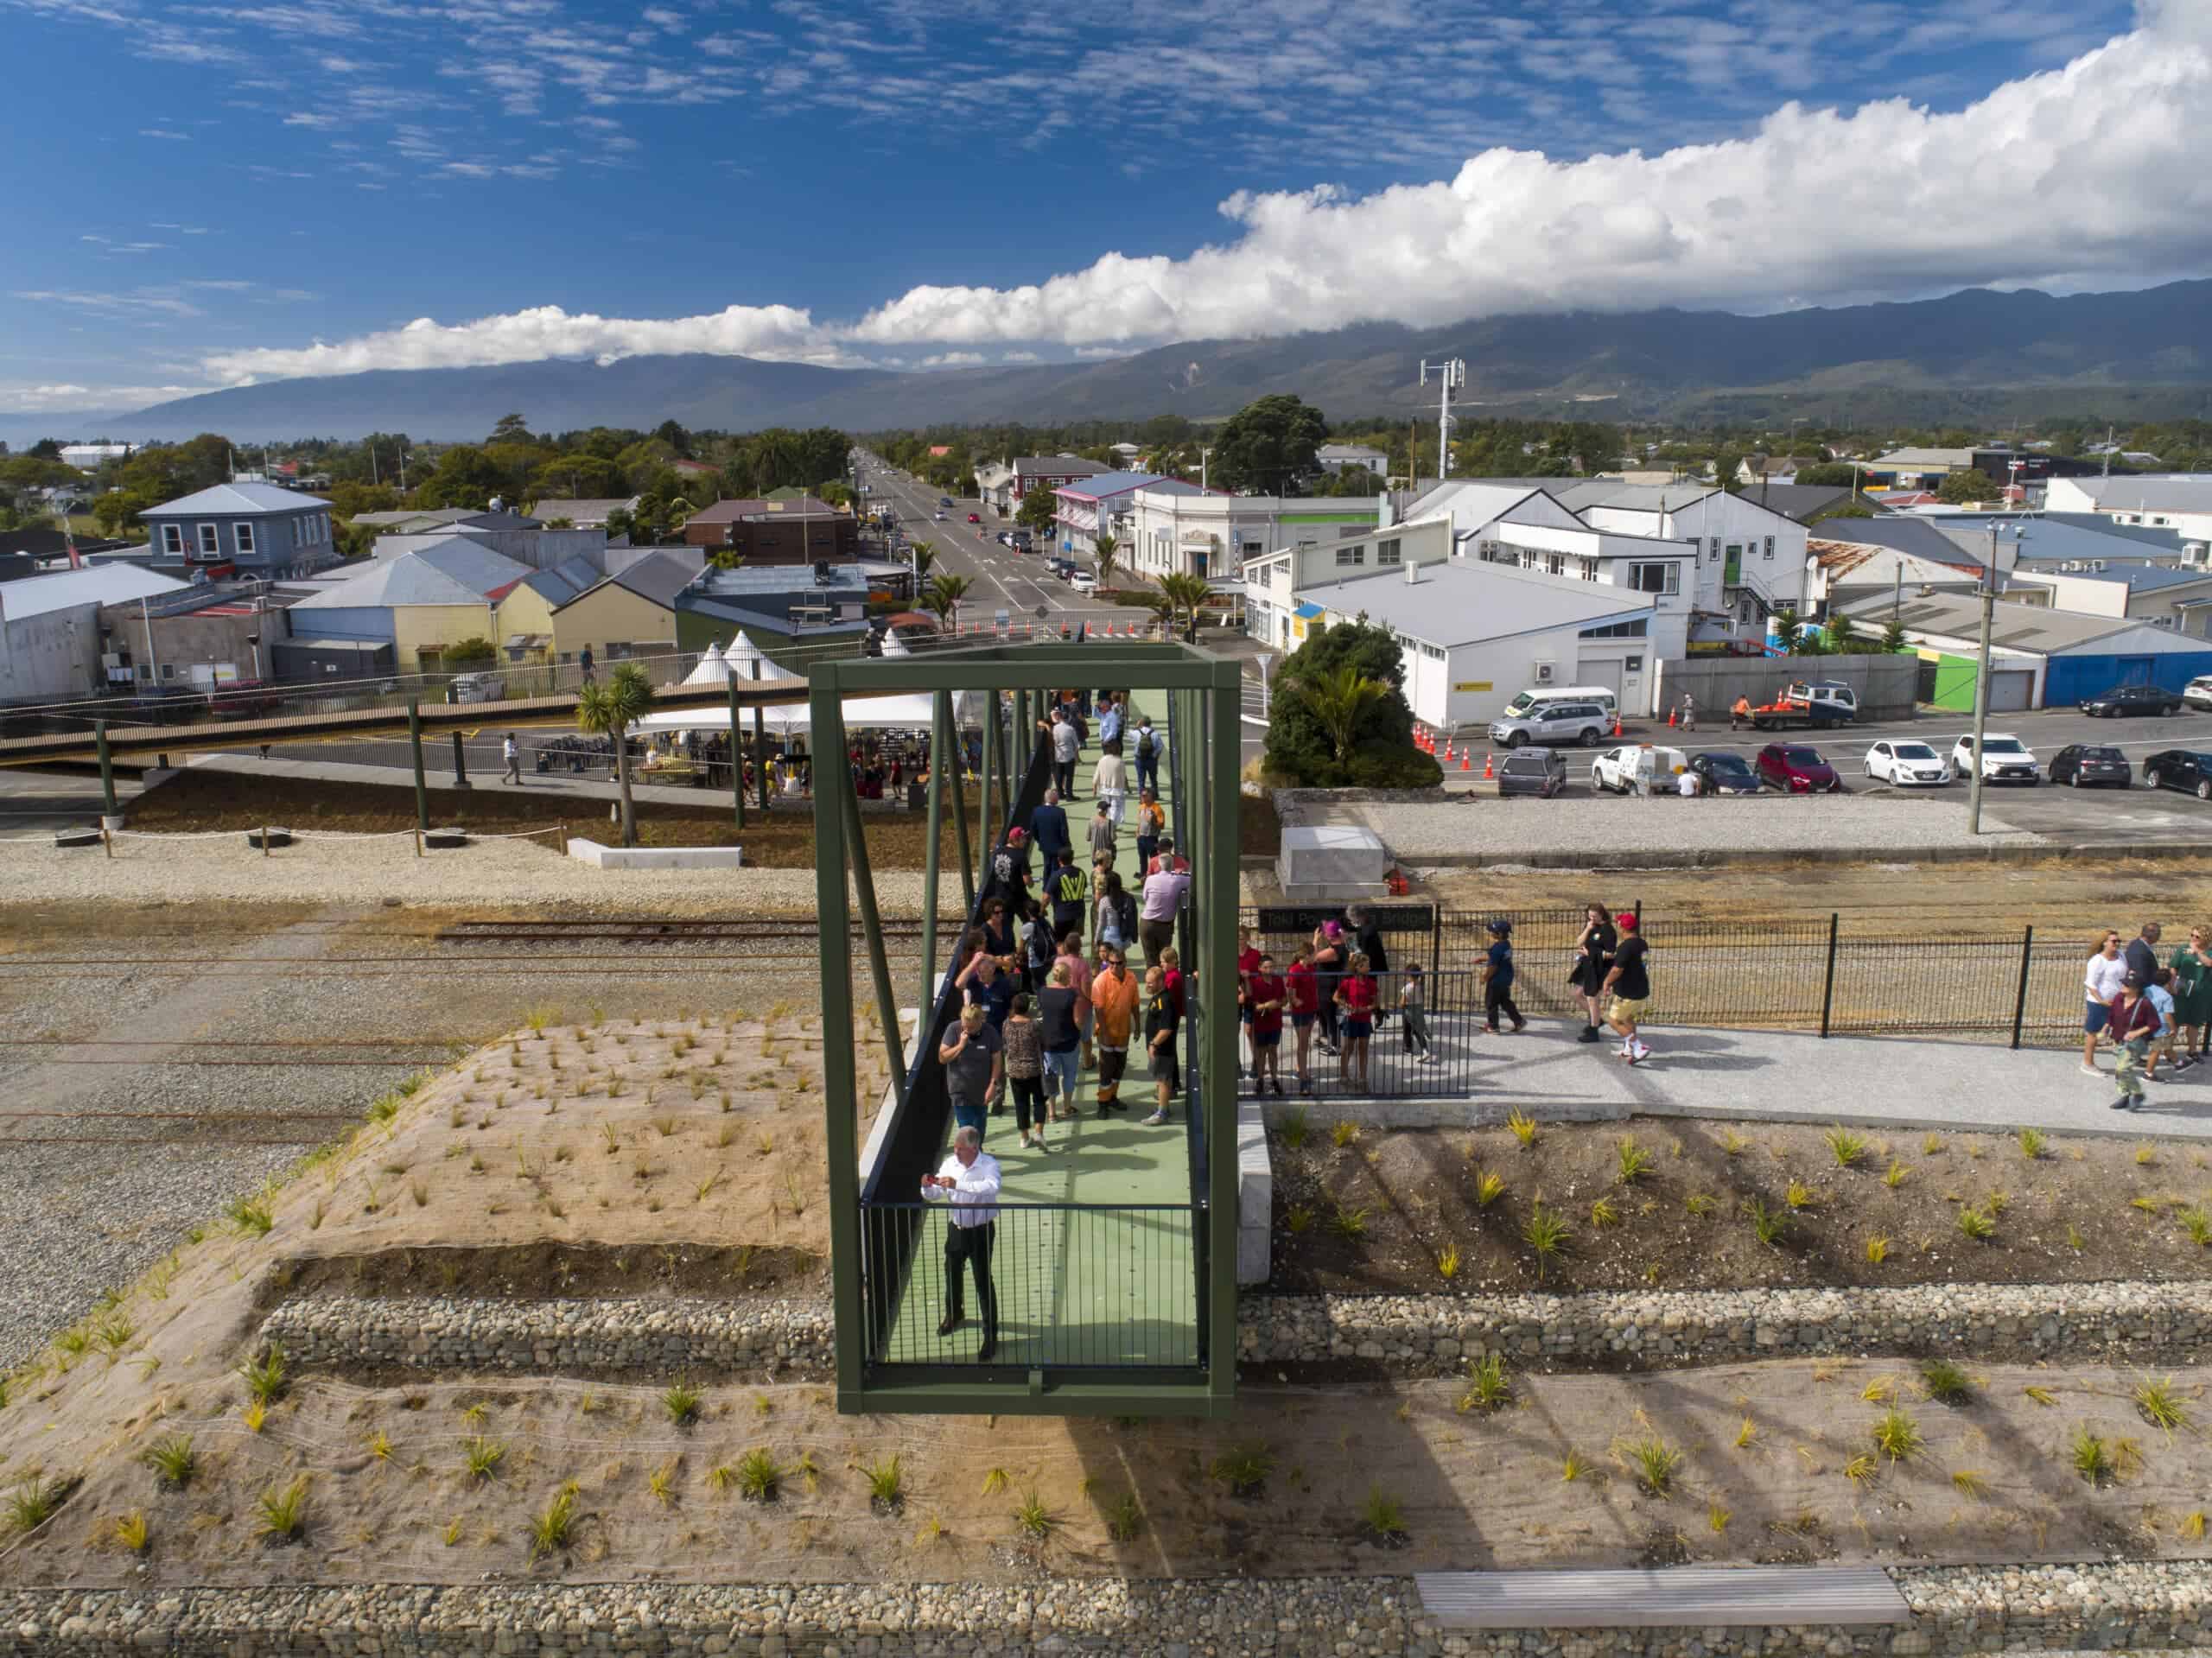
1956, 1611
453, 1333
1431, 1335
1417, 1336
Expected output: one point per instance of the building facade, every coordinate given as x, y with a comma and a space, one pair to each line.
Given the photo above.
761, 532
1214, 536
252, 529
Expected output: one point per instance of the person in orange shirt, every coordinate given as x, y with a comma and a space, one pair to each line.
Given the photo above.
1114, 1005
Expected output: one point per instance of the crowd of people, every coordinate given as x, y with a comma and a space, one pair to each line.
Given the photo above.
2152, 1012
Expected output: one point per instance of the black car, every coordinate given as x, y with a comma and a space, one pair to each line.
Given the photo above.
1538, 771
2131, 699
2083, 763
1724, 774
2180, 768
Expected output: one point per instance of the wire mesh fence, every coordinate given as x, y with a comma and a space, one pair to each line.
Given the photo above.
1815, 975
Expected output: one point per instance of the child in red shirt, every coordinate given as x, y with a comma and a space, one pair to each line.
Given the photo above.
1248, 962
1304, 987
1356, 999
1264, 993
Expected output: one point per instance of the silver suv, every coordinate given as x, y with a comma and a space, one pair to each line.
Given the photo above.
1587, 723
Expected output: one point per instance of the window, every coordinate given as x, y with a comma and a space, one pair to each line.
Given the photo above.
1489, 552
1714, 556
1386, 552
210, 545
1632, 664
1588, 571
1629, 630
1770, 546
1665, 577
1348, 556
1434, 653
242, 536
168, 670
173, 539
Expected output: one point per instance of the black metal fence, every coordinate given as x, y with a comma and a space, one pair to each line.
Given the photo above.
1090, 1287
1818, 976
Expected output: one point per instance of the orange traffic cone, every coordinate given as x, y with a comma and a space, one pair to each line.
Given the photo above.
1467, 762
1670, 719
1617, 722
1488, 770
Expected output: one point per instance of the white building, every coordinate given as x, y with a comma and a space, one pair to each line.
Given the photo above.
1337, 457
1212, 535
2180, 501
1103, 506
1474, 635
87, 457
1754, 557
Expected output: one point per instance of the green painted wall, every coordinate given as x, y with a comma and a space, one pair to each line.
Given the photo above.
1955, 678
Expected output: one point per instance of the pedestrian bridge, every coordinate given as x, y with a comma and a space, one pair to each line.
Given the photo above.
1114, 1257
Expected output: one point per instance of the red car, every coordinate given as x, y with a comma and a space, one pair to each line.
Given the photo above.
1794, 769
975, 517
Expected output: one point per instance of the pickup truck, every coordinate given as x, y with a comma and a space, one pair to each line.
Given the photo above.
1824, 703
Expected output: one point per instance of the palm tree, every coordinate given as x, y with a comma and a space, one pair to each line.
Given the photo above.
608, 708
1105, 550
1187, 593
1161, 606
1843, 637
772, 458
944, 594
924, 555
1339, 698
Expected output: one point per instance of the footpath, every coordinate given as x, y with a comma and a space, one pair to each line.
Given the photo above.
1896, 1082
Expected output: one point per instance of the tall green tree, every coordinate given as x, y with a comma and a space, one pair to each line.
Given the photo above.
1269, 446
1107, 551
1380, 752
608, 708
1037, 510
1339, 698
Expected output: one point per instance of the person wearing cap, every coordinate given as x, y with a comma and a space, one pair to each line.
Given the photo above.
2132, 1024
1497, 980
1629, 982
1011, 868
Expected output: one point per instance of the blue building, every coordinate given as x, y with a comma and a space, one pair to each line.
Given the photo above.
251, 529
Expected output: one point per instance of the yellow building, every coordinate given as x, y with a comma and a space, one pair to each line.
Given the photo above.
629, 614
427, 601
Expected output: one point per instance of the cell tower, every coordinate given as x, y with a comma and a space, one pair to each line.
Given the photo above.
1452, 374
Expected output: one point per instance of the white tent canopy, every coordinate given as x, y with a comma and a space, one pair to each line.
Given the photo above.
904, 710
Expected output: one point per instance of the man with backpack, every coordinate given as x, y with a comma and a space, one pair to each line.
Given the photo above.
1152, 748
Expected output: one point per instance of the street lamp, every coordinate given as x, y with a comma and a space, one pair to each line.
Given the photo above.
1999, 559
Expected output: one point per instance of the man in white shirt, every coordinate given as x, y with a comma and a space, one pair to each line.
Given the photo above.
968, 1182
512, 754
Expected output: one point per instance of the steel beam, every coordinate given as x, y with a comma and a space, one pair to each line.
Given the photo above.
415, 743
839, 1084
879, 964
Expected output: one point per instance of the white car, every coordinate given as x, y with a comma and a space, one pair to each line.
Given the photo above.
2004, 758
2198, 692
1083, 581
1616, 770
939, 517
1908, 764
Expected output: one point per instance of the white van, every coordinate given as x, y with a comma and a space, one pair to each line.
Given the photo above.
1536, 696
477, 687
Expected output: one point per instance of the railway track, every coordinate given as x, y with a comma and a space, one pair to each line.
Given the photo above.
654, 930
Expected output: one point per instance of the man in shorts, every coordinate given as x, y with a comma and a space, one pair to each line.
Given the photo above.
1629, 984
1162, 1016
1114, 1008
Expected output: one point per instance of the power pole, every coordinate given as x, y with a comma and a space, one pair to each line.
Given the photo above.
1450, 374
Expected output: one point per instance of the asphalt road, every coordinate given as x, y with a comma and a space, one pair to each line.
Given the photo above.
1004, 580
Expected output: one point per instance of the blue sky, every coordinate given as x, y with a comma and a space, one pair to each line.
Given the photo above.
241, 191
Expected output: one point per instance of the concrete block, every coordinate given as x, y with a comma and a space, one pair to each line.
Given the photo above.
657, 857
1255, 1193
1332, 862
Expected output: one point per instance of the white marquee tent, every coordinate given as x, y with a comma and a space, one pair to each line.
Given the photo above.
907, 711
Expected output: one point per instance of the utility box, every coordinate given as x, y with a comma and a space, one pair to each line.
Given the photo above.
1332, 863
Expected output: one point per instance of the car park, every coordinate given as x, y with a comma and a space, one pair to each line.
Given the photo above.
2004, 757
1908, 764
1634, 765
1587, 723
1722, 773
2085, 764
1796, 769
2180, 768
2197, 694
2122, 700
1539, 771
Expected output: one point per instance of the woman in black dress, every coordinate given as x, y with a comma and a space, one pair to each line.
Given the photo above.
1593, 952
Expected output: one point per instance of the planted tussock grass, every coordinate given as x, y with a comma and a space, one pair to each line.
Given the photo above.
2052, 1219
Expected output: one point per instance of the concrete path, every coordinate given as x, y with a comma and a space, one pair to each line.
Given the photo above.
437, 775
1887, 1082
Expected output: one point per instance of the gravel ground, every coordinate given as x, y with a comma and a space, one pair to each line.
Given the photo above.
1491, 828
365, 872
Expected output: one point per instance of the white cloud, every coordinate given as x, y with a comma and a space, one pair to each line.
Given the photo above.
1810, 205
953, 360
33, 399
165, 132
142, 301
313, 119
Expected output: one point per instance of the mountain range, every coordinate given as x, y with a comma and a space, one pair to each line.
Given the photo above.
2147, 352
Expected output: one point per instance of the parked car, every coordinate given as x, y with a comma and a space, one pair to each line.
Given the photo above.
1083, 581
2083, 763
1062, 568
2198, 692
1587, 723
2131, 699
1796, 769
476, 688
2180, 768
2004, 757
1725, 773
975, 517
1619, 769
1908, 764
1538, 771
944, 500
